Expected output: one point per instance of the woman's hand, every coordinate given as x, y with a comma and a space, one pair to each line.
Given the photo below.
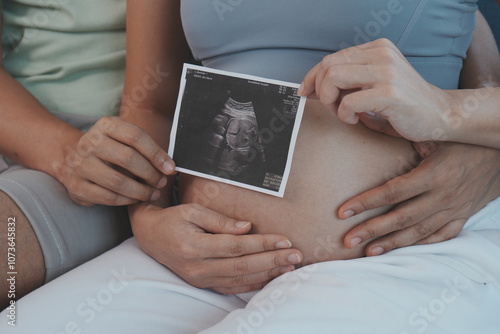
209, 250
433, 201
374, 82
114, 163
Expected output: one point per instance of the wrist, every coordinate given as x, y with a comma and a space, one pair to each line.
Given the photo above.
452, 117
65, 154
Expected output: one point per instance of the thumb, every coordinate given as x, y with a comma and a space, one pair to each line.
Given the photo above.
214, 222
377, 123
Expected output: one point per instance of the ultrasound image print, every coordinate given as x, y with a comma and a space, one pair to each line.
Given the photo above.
236, 129
234, 143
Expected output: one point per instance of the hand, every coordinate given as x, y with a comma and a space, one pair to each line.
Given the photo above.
433, 201
209, 250
114, 163
375, 83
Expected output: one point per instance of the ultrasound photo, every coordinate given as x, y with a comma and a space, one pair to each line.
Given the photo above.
235, 128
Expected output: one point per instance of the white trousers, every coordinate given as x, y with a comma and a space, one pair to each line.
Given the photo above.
450, 287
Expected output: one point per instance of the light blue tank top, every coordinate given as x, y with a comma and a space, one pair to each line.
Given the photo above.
284, 39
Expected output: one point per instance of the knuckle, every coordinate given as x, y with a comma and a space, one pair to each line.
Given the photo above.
276, 261
391, 195
135, 135
348, 102
111, 199
186, 251
272, 273
382, 42
327, 60
235, 249
145, 195
126, 156
403, 221
237, 281
372, 233
332, 73
222, 221
75, 187
116, 181
106, 123
194, 273
422, 230
364, 203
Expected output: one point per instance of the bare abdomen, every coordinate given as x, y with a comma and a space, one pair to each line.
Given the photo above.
332, 162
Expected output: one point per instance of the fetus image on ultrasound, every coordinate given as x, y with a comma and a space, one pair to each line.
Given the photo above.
236, 129
234, 144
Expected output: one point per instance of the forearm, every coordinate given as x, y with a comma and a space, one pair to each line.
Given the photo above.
156, 50
474, 115
29, 134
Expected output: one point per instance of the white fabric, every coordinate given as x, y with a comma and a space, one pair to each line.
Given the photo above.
450, 287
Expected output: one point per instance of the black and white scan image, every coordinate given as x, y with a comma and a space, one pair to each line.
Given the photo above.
236, 129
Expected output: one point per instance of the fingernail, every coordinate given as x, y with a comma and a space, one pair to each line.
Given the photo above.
377, 251
294, 258
283, 244
155, 195
300, 91
370, 113
287, 269
168, 167
348, 214
241, 225
355, 241
162, 183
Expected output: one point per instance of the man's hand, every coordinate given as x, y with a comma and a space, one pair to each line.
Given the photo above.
114, 163
209, 250
374, 81
433, 201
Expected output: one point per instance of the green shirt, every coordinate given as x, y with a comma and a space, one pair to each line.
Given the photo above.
70, 54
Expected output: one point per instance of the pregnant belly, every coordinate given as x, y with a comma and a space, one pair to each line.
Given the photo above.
332, 162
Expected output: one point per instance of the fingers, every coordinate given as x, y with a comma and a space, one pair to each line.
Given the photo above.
129, 159
447, 232
212, 221
115, 185
381, 52
99, 195
106, 156
237, 246
403, 216
379, 124
394, 191
246, 271
424, 232
138, 139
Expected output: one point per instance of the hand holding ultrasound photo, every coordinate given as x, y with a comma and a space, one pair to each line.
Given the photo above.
236, 129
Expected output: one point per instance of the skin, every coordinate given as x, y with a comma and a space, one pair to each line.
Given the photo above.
225, 259
438, 156
204, 247
447, 207
384, 86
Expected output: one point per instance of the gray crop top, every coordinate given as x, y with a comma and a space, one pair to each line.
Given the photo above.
284, 39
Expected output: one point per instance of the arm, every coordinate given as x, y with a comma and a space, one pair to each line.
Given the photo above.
414, 108
205, 248
22, 114
433, 201
30, 135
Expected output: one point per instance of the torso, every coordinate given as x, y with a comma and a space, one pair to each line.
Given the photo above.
345, 161
283, 40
